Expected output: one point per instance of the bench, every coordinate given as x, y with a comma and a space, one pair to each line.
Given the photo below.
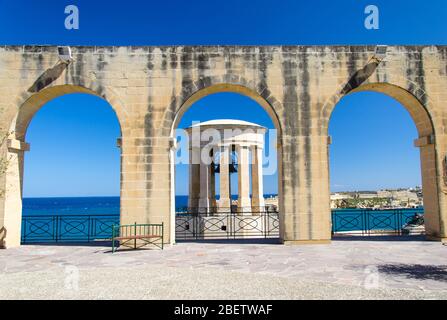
137, 235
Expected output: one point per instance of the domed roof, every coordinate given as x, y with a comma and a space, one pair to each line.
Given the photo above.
226, 122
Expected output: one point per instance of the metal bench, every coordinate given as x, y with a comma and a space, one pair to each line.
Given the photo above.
137, 235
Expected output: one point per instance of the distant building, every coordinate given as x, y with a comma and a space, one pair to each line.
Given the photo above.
340, 196
389, 198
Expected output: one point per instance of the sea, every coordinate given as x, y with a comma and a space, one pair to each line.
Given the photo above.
71, 206
84, 205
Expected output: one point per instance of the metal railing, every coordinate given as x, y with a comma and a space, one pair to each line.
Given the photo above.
367, 222
67, 228
262, 223
227, 225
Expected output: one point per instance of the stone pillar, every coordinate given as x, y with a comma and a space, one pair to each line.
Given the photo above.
432, 208
257, 193
145, 187
244, 204
194, 178
225, 181
11, 222
305, 214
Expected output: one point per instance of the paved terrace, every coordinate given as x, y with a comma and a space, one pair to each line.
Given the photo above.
345, 269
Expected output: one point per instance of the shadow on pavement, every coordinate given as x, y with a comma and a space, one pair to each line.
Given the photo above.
74, 244
415, 271
378, 238
234, 241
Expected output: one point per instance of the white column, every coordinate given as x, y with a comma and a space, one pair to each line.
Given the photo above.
257, 194
244, 204
225, 196
212, 185
205, 185
194, 178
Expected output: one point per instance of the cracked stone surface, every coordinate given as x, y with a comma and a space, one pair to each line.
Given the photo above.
228, 270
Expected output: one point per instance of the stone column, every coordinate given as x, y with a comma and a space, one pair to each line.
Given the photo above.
225, 181
194, 178
11, 222
244, 204
257, 196
432, 207
305, 213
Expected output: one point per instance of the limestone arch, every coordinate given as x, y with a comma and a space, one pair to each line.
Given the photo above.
28, 105
411, 99
202, 88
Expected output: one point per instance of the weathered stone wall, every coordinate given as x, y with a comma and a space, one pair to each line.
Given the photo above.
151, 87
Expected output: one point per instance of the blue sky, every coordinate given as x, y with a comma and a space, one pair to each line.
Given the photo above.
223, 22
378, 154
372, 144
73, 149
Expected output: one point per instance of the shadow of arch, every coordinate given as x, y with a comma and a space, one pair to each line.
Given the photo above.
415, 271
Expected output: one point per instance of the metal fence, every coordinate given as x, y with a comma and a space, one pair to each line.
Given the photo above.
371, 222
227, 225
67, 228
207, 225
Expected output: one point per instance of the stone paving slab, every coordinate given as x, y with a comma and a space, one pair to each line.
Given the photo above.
224, 270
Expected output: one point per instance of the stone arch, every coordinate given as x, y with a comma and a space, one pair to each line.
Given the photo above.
420, 107
28, 104
411, 98
228, 83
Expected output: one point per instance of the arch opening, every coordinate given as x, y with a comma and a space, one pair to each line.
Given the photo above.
226, 107
69, 189
391, 164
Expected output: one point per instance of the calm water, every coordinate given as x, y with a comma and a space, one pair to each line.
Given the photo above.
66, 206
84, 205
